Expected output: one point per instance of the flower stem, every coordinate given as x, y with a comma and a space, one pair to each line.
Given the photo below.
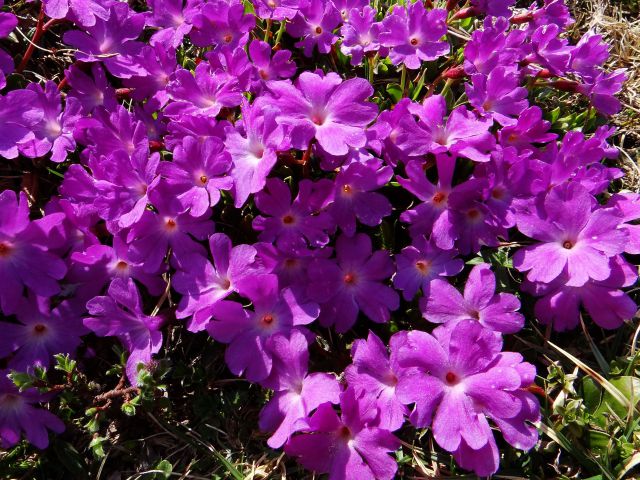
283, 25
403, 80
34, 41
267, 30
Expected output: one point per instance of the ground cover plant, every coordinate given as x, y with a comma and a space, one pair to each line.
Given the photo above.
314, 238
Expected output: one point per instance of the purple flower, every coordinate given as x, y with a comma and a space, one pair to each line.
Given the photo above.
202, 93
91, 91
18, 415
462, 134
8, 21
354, 196
173, 19
607, 305
221, 23
496, 8
124, 194
352, 282
82, 12
315, 21
414, 34
498, 95
41, 333
106, 132
278, 9
111, 41
589, 55
18, 113
297, 393
458, 379
120, 314
203, 284
497, 312
360, 35
573, 237
171, 227
267, 67
158, 63
493, 46
24, 259
349, 446
628, 206
601, 90
333, 111
249, 333
433, 216
420, 264
253, 145
197, 173
93, 268
54, 132
529, 129
292, 224
376, 373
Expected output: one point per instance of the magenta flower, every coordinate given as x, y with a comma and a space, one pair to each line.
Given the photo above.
111, 41
333, 111
529, 129
173, 20
414, 34
253, 145
18, 415
54, 132
354, 196
18, 114
433, 216
462, 134
203, 284
361, 35
601, 90
202, 93
106, 132
120, 314
124, 193
497, 312
41, 332
573, 237
249, 333
91, 91
458, 379
152, 236
82, 12
607, 305
494, 46
352, 282
221, 24
24, 259
197, 173
297, 393
315, 22
588, 56
349, 446
291, 224
420, 264
376, 373
498, 95
267, 67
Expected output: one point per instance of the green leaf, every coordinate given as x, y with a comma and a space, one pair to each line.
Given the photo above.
72, 461
166, 468
395, 90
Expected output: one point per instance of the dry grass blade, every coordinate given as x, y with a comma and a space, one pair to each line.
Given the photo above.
603, 382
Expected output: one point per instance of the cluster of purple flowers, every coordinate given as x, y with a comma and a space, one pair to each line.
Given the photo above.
147, 185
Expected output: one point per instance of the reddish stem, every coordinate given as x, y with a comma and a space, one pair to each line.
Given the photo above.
36, 38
